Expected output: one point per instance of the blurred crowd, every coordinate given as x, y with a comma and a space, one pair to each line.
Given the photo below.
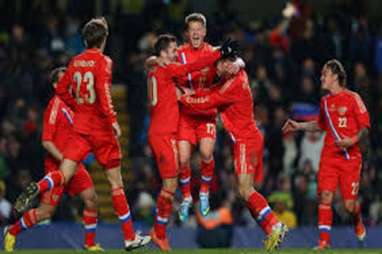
283, 58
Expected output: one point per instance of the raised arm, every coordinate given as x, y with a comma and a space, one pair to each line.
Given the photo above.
62, 89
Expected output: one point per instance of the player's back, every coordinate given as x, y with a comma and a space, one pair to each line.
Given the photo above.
238, 117
163, 102
89, 78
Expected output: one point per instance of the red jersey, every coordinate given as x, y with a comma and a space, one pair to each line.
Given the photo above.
164, 109
58, 120
88, 77
235, 104
342, 115
198, 80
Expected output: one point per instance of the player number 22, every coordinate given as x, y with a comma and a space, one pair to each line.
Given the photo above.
87, 78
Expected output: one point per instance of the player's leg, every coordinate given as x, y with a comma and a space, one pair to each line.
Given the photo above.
164, 210
76, 150
82, 185
185, 152
327, 184
166, 155
90, 219
49, 201
349, 185
108, 154
207, 167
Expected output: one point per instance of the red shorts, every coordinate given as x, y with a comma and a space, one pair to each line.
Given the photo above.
195, 128
165, 152
80, 181
248, 157
105, 147
336, 172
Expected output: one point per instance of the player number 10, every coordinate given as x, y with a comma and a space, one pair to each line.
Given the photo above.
87, 78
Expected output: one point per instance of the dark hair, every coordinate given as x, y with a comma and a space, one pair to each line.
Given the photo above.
163, 43
53, 76
337, 68
95, 32
195, 17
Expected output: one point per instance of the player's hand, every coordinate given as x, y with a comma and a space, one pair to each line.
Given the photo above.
290, 10
291, 125
117, 129
229, 48
345, 142
232, 68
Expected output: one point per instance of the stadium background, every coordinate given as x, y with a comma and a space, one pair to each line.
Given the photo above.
283, 59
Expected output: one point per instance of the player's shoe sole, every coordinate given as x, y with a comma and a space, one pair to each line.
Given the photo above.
26, 198
277, 236
9, 241
138, 242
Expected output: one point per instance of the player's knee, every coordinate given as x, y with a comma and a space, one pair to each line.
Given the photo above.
326, 198
244, 191
350, 206
45, 213
114, 177
206, 154
170, 184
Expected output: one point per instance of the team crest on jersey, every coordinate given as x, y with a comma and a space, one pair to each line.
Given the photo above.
342, 110
204, 71
332, 108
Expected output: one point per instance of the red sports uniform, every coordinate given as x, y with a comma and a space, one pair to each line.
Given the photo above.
164, 111
89, 78
235, 104
341, 115
197, 124
57, 128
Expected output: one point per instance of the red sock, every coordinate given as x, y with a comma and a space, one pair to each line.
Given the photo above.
261, 212
90, 225
28, 219
357, 216
54, 178
185, 181
121, 208
325, 221
164, 209
207, 170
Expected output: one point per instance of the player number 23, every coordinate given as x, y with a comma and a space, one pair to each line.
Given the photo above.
87, 78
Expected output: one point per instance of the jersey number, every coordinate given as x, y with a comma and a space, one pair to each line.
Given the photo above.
87, 78
152, 91
354, 188
342, 122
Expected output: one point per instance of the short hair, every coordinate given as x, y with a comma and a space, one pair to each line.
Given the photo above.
53, 77
95, 32
337, 68
163, 43
195, 17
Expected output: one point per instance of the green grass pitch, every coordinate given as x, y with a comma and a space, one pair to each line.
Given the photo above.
210, 251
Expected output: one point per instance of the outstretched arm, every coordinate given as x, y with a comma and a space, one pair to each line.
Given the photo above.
291, 125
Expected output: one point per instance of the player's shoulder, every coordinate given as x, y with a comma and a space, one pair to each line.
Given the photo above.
183, 47
354, 97
208, 47
52, 109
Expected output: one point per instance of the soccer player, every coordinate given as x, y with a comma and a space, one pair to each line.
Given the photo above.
163, 128
95, 127
196, 127
345, 119
233, 99
57, 127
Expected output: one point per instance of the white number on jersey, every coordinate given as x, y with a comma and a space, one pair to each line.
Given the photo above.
342, 122
87, 78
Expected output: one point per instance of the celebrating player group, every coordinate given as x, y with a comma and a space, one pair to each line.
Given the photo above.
184, 103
